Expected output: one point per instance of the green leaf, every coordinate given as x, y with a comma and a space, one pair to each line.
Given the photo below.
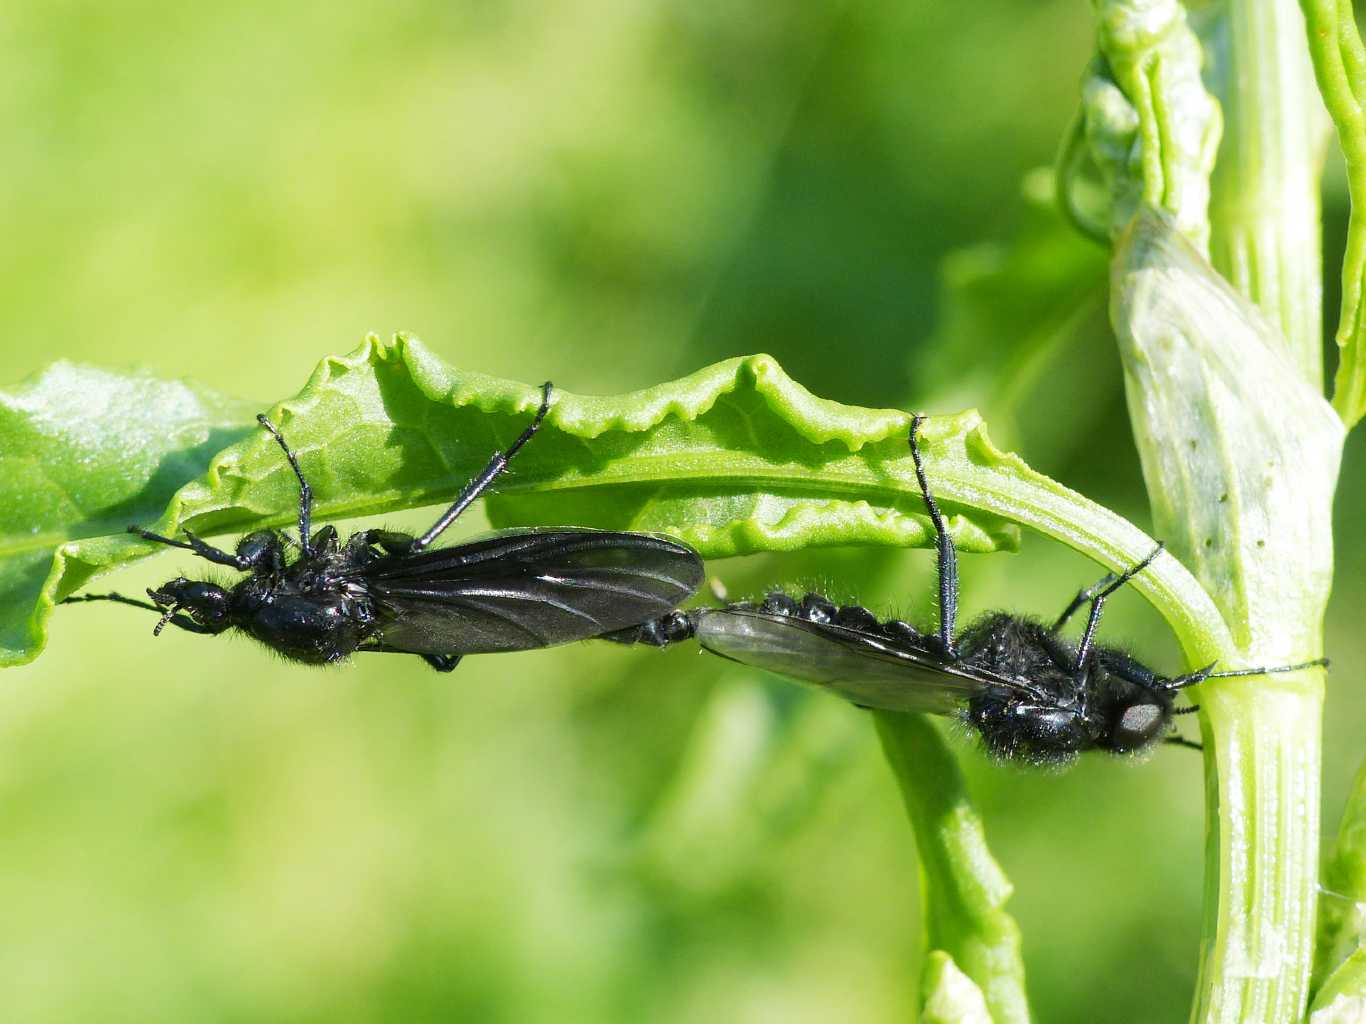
1020, 301
755, 765
965, 891
948, 996
1339, 59
1343, 999
1342, 908
84, 452
1147, 122
1240, 453
1265, 211
735, 458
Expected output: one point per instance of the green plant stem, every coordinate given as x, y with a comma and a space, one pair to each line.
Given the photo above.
1339, 58
965, 891
1264, 203
1262, 747
1240, 455
1263, 775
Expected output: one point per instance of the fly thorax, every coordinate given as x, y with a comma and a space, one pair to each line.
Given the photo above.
1035, 731
250, 595
316, 627
1007, 645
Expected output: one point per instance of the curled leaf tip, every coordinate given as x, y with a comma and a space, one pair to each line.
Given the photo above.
1147, 124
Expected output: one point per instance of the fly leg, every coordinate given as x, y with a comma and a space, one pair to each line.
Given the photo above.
183, 621
195, 544
1144, 677
305, 492
440, 662
1126, 668
1181, 741
220, 557
390, 542
1200, 675
947, 566
1083, 597
486, 476
1098, 605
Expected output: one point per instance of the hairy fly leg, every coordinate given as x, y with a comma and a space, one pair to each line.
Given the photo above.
497, 464
195, 544
305, 492
1181, 741
1200, 675
1097, 598
440, 662
252, 552
947, 566
391, 542
1084, 596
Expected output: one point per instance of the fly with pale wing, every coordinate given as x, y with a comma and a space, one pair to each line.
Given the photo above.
1032, 695
389, 592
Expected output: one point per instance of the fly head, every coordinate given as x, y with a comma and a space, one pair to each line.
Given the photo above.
206, 603
1131, 717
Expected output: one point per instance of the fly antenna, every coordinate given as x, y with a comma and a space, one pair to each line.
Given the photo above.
166, 617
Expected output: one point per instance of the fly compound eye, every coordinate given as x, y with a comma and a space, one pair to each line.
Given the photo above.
1137, 726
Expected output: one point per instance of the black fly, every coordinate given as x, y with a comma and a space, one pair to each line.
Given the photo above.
383, 591
1033, 696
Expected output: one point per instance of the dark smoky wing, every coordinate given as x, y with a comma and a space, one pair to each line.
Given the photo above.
867, 669
522, 589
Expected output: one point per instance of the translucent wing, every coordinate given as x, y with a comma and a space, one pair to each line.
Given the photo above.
521, 589
867, 669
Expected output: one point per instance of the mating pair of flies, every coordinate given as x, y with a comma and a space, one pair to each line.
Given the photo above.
1031, 694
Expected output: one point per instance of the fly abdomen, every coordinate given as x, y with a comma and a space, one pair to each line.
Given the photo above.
777, 603
661, 632
816, 608
853, 616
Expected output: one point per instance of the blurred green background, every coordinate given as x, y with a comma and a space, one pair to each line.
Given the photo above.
609, 195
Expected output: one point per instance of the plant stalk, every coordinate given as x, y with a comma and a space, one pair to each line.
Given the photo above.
1263, 740
965, 891
1262, 746
1264, 205
1240, 455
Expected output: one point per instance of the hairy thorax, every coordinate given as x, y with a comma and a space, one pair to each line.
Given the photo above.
305, 613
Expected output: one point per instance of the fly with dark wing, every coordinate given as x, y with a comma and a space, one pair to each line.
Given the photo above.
1032, 695
389, 592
